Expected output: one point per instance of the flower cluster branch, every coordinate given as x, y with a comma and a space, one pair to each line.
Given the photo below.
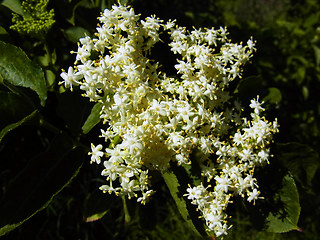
162, 119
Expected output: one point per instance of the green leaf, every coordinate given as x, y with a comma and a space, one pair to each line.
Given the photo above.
12, 126
274, 96
316, 50
4, 36
115, 141
19, 70
13, 108
300, 159
248, 88
73, 109
41, 180
73, 34
3, 31
305, 92
287, 219
13, 5
51, 79
93, 119
300, 74
97, 205
72, 18
44, 60
311, 20
96, 216
177, 189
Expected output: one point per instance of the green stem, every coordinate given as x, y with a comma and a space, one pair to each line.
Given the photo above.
46, 48
98, 3
47, 125
127, 217
43, 123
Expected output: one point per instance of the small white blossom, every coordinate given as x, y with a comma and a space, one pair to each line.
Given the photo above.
194, 193
70, 78
256, 106
254, 195
96, 153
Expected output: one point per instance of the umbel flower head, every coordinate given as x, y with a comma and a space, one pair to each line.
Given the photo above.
156, 120
36, 20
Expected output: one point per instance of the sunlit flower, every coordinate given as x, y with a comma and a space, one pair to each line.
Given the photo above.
154, 121
96, 153
70, 78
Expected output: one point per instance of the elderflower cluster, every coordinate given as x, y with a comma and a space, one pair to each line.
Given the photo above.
234, 167
154, 120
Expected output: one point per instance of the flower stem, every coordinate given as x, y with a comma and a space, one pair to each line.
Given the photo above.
127, 217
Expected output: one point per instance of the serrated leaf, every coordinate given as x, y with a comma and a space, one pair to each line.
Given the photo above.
288, 219
173, 185
177, 191
19, 70
42, 179
93, 119
13, 5
12, 126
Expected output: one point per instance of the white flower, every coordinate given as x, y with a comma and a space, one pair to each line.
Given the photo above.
184, 67
250, 44
194, 193
245, 155
116, 155
87, 43
111, 170
169, 25
238, 139
131, 143
256, 106
96, 153
70, 78
223, 183
185, 112
83, 53
263, 155
107, 188
178, 47
254, 195
158, 108
145, 196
